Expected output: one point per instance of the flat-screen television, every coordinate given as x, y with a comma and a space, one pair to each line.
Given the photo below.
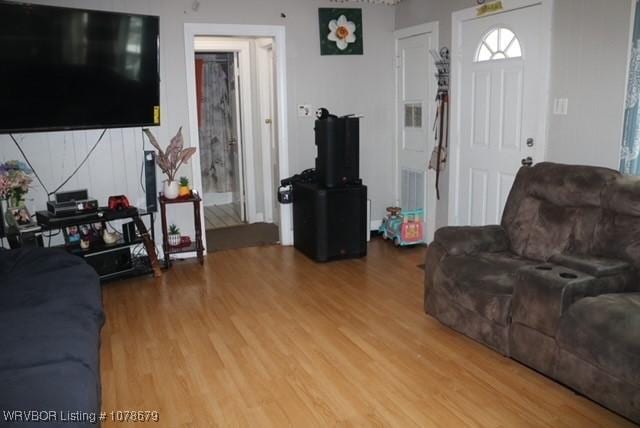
63, 68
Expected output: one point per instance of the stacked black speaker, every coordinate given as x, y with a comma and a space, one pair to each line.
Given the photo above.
330, 213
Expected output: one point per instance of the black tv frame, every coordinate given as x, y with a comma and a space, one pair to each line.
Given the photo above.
7, 131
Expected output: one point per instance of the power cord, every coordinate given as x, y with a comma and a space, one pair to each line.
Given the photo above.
30, 166
86, 158
70, 176
142, 165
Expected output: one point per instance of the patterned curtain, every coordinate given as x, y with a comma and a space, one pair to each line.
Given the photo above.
214, 78
630, 159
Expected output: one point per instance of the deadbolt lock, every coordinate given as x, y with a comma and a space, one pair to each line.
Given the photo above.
529, 142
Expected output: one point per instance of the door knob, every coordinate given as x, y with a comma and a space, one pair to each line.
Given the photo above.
528, 161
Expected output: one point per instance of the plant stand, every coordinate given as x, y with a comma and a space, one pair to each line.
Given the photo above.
196, 244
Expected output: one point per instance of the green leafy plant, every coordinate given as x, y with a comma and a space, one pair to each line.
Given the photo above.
174, 230
174, 156
184, 181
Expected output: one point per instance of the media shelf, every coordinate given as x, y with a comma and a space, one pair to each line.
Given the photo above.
111, 261
97, 247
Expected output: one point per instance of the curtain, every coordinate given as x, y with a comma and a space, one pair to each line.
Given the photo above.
630, 159
214, 78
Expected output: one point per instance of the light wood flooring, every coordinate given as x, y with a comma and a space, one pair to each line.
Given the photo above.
265, 337
217, 216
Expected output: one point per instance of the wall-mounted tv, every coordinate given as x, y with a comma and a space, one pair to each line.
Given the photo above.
63, 68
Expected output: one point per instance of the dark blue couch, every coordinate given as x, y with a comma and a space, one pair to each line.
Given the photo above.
50, 320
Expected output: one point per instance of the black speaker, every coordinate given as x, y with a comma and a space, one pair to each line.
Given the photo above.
330, 224
338, 145
129, 232
150, 180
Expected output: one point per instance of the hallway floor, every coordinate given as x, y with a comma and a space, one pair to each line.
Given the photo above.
217, 216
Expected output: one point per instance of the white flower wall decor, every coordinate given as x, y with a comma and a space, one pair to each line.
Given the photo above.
340, 31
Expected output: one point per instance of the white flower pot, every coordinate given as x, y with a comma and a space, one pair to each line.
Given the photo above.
171, 189
174, 239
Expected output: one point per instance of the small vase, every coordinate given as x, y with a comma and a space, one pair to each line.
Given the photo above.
171, 189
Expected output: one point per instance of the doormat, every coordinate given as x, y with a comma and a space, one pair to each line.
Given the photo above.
245, 235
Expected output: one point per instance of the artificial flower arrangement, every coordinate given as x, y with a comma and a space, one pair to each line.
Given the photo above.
15, 180
170, 160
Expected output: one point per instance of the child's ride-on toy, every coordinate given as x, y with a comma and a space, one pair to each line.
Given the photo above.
403, 228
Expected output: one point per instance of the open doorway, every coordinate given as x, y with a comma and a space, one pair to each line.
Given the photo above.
220, 138
235, 100
261, 121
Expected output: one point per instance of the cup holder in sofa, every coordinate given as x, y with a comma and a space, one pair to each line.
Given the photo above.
567, 275
544, 268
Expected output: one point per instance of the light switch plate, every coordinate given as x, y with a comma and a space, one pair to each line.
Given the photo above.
305, 110
561, 106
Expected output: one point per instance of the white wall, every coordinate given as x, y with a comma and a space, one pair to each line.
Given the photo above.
589, 60
350, 84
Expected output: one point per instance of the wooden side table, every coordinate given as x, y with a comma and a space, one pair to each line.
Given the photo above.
196, 244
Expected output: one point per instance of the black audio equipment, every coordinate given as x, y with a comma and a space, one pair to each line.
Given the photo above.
150, 180
72, 195
129, 232
71, 203
330, 224
110, 262
338, 160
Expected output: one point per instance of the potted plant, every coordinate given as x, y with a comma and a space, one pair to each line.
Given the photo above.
174, 235
184, 187
171, 160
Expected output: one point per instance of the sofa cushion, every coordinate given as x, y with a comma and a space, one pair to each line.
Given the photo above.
605, 330
595, 266
482, 283
623, 196
570, 185
618, 236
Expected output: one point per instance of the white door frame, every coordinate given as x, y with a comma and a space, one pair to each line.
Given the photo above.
277, 32
244, 121
458, 18
430, 27
265, 88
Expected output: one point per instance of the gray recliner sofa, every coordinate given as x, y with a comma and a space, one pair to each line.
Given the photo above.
552, 286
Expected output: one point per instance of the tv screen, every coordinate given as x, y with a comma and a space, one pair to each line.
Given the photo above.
63, 68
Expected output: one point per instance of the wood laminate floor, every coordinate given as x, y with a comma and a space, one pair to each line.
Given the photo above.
265, 337
217, 216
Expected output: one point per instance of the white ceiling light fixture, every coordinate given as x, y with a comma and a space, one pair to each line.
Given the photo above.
387, 2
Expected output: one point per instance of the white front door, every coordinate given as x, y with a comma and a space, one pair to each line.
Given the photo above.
416, 91
502, 63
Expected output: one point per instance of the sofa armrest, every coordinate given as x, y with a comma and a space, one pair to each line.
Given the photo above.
544, 292
457, 240
595, 266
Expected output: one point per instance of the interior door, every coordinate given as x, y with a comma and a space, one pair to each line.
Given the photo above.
415, 109
235, 142
501, 107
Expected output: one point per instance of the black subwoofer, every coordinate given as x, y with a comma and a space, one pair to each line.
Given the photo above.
330, 224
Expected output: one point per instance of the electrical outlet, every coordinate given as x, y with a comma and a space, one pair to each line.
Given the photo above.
305, 110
